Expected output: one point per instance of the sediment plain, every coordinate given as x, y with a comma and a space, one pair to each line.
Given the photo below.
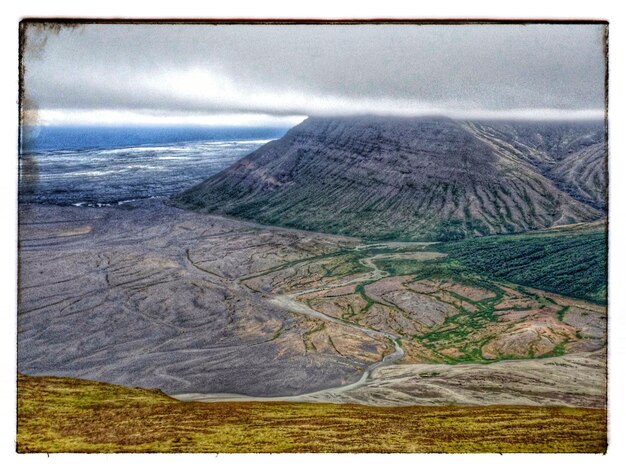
205, 307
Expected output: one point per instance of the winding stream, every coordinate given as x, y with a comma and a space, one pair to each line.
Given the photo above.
290, 303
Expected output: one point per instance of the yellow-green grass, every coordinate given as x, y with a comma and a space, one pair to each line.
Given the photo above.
70, 415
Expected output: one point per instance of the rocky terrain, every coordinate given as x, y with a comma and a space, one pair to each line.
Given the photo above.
150, 295
572, 380
584, 174
415, 178
573, 155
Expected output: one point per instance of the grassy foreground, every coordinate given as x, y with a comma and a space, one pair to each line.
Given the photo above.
69, 415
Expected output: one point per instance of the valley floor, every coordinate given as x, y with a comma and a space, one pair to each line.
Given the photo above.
207, 308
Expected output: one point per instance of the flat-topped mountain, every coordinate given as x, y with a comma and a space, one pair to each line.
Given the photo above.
390, 178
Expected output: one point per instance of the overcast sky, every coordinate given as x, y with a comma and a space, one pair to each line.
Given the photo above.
256, 74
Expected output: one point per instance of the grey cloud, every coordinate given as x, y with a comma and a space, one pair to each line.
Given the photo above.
301, 69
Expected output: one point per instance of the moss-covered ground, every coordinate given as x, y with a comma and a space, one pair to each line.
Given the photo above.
70, 415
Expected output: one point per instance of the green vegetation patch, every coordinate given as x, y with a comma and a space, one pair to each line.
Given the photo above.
463, 331
345, 264
360, 289
442, 268
570, 264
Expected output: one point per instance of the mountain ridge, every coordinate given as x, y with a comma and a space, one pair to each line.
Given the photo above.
389, 178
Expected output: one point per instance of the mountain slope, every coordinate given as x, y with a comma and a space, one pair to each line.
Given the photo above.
584, 174
384, 177
573, 155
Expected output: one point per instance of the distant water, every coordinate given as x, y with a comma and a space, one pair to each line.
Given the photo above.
103, 166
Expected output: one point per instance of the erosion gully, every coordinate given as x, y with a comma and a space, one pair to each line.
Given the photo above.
290, 302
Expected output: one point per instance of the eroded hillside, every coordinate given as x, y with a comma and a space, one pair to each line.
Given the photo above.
400, 178
573, 155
